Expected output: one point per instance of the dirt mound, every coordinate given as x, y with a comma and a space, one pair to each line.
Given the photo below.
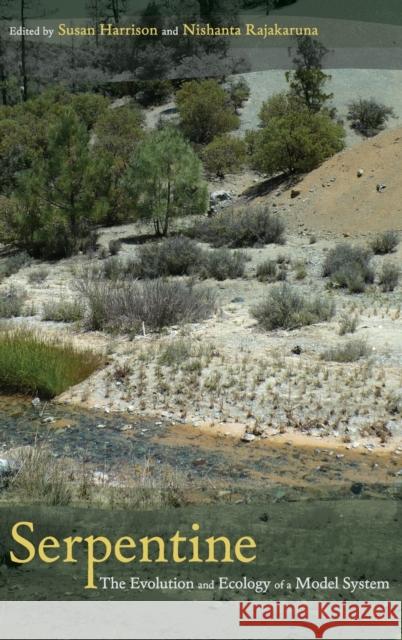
333, 198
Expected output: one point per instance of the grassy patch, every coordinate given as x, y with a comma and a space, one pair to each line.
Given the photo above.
287, 308
33, 363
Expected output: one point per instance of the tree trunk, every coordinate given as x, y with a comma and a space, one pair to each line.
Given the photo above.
23, 55
167, 214
3, 77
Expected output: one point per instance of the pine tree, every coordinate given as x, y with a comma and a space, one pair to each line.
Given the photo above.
308, 80
164, 179
55, 202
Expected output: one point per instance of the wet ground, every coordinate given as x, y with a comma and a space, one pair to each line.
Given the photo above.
109, 441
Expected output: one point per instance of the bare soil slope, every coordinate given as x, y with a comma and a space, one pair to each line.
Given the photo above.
334, 199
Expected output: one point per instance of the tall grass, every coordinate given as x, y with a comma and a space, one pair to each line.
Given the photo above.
30, 362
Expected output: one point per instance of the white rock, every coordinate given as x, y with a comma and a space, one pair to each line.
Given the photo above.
247, 437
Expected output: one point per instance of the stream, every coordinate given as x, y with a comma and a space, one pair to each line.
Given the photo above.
108, 441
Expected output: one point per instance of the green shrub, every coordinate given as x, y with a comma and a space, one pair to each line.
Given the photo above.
12, 303
389, 276
176, 256
349, 267
287, 308
63, 311
128, 306
269, 271
241, 228
239, 92
222, 264
368, 117
205, 110
351, 351
33, 363
385, 242
296, 143
223, 155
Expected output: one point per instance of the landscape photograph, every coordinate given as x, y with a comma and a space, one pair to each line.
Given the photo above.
200, 266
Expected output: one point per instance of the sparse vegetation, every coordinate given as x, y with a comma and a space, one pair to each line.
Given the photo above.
41, 478
287, 308
241, 228
31, 362
351, 351
385, 242
349, 266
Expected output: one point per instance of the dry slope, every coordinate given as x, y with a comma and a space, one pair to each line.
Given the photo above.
334, 199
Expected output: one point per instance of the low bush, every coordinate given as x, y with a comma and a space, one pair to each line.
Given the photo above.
368, 116
300, 270
351, 351
63, 311
222, 264
389, 276
13, 264
270, 271
241, 228
349, 267
385, 242
348, 323
114, 247
33, 363
38, 276
176, 256
128, 306
287, 308
12, 303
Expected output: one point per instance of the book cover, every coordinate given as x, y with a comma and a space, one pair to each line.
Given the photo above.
200, 319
